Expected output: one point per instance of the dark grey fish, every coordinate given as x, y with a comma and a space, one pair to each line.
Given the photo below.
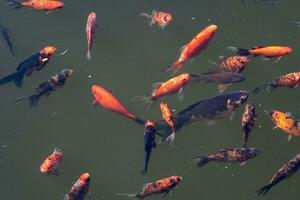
5, 40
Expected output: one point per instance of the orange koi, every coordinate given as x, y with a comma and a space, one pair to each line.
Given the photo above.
90, 31
52, 163
198, 44
80, 189
163, 186
110, 102
161, 18
43, 5
167, 115
167, 88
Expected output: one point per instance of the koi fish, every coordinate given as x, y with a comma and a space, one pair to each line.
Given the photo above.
80, 189
5, 40
90, 32
161, 18
52, 163
163, 186
45, 88
169, 87
198, 44
266, 51
286, 171
235, 155
223, 79
248, 119
285, 122
290, 80
110, 102
35, 62
149, 142
209, 110
167, 115
43, 5
234, 63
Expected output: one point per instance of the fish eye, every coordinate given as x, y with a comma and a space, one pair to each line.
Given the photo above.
178, 179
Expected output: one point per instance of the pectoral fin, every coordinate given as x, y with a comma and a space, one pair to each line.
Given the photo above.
95, 102
290, 137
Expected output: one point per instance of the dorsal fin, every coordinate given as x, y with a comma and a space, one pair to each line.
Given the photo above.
257, 47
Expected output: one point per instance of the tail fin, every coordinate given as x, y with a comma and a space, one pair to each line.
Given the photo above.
17, 77
267, 87
201, 160
128, 195
146, 98
15, 4
264, 189
170, 139
174, 67
238, 51
88, 55
146, 15
33, 100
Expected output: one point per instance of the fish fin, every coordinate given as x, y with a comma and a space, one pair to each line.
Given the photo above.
289, 114
166, 193
231, 116
146, 98
243, 163
145, 186
221, 58
210, 122
290, 138
264, 189
88, 55
267, 87
265, 58
182, 48
21, 98
277, 60
174, 67
180, 94
213, 63
156, 85
295, 23
95, 102
57, 150
201, 160
170, 139
128, 195
15, 4
33, 100
239, 51
275, 127
222, 88
146, 15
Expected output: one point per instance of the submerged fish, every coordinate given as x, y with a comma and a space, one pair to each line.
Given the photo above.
36, 62
44, 5
52, 163
286, 171
223, 79
5, 40
163, 186
290, 80
286, 122
80, 189
248, 119
167, 115
90, 32
234, 63
235, 155
266, 51
198, 44
149, 142
45, 88
109, 101
161, 18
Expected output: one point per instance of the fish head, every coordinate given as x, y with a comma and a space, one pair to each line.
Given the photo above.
286, 50
175, 179
150, 123
168, 18
162, 105
243, 60
44, 169
250, 107
92, 15
48, 51
213, 28
57, 5
252, 152
184, 78
97, 91
85, 177
68, 72
236, 99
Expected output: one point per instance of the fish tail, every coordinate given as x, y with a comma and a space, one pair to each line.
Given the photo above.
174, 67
239, 51
17, 77
267, 87
201, 160
264, 189
88, 54
33, 100
170, 139
15, 4
147, 158
146, 15
146, 98
21, 98
139, 121
129, 195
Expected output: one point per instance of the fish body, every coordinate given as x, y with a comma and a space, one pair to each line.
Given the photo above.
45, 88
163, 186
198, 44
235, 155
43, 5
286, 122
90, 32
234, 63
248, 119
52, 163
149, 142
286, 171
35, 62
5, 40
110, 102
167, 115
80, 189
161, 18
291, 80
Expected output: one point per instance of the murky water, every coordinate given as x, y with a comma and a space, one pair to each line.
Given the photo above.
127, 58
